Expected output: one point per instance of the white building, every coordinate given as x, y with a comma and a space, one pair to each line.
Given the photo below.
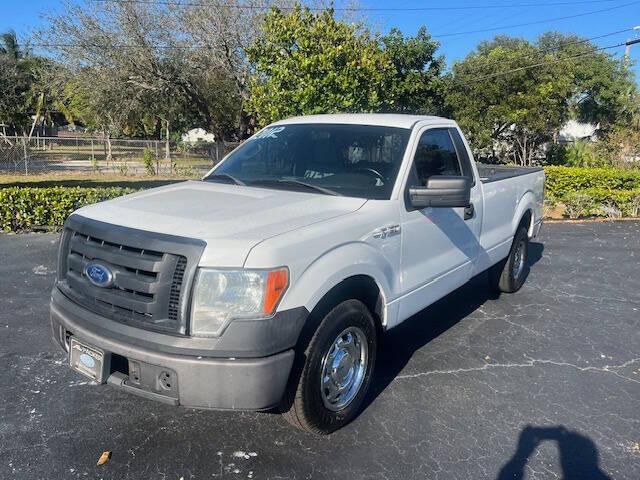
196, 135
574, 130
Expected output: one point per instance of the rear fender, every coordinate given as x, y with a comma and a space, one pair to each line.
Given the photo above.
527, 202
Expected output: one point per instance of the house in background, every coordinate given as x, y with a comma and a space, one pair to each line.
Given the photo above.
198, 135
574, 131
73, 130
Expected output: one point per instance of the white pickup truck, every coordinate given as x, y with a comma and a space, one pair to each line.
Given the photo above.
267, 284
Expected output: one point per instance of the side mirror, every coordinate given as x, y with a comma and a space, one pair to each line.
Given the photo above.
442, 191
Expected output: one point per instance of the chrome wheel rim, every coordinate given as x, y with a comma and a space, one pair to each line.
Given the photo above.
344, 366
519, 259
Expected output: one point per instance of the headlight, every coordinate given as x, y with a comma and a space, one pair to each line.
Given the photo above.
224, 295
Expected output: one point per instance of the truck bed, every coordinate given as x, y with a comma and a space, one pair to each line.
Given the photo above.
494, 173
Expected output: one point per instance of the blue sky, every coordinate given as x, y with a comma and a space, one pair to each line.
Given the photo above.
24, 15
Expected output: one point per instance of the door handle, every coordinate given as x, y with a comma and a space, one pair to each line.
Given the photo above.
469, 211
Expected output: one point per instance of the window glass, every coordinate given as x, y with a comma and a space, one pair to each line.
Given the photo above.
463, 155
351, 160
436, 155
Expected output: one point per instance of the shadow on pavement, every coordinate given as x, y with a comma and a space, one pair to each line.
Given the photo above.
400, 343
578, 454
535, 252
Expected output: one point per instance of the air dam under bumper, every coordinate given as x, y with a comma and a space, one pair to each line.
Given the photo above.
196, 381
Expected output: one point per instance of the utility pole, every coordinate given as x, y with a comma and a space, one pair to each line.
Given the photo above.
627, 48
628, 43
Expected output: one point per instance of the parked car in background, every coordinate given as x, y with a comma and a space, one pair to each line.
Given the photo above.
268, 284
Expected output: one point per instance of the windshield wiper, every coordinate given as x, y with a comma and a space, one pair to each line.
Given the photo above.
297, 183
224, 176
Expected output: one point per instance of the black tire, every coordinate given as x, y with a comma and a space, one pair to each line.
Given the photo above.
504, 276
304, 401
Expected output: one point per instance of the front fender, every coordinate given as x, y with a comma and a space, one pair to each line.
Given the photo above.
336, 265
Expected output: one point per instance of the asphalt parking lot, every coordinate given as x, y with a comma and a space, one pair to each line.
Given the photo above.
541, 384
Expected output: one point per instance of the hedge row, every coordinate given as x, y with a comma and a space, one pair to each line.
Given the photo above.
601, 202
584, 192
23, 208
562, 181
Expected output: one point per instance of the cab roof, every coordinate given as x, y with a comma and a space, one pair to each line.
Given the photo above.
377, 119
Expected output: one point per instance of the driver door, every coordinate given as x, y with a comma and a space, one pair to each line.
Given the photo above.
439, 244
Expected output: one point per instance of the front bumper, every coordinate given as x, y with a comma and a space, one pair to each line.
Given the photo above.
196, 380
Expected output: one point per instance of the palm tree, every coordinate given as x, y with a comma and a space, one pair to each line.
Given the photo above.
32, 69
9, 45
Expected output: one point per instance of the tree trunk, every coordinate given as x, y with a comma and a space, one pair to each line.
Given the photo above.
520, 153
26, 156
527, 146
37, 115
247, 125
107, 141
167, 151
157, 129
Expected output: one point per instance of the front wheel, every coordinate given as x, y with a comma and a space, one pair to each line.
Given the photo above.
509, 274
337, 370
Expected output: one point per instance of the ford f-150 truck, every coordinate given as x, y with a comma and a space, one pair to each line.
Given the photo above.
267, 285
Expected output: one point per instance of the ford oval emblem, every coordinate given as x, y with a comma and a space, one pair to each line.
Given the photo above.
87, 360
98, 274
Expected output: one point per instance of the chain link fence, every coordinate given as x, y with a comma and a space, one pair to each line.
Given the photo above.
87, 155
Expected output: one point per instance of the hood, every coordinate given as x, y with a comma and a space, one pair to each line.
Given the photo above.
231, 219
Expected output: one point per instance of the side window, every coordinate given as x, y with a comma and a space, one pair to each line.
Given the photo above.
463, 155
436, 155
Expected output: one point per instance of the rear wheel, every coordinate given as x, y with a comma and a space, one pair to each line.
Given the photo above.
509, 275
337, 370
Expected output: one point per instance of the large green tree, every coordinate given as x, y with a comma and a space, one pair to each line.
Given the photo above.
604, 89
505, 107
310, 63
512, 96
417, 83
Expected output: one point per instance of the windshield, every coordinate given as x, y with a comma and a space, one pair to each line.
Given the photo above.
351, 160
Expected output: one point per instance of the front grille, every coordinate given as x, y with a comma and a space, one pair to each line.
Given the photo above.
151, 273
176, 288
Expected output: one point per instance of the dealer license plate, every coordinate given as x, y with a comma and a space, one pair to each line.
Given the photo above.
87, 360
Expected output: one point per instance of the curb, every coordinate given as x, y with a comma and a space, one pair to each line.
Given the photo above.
590, 220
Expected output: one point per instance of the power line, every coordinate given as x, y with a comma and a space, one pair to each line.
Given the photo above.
190, 47
114, 47
439, 35
547, 62
581, 41
537, 22
354, 9
585, 40
562, 45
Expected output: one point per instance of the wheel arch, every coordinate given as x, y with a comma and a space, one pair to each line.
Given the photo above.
359, 287
525, 214
527, 221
